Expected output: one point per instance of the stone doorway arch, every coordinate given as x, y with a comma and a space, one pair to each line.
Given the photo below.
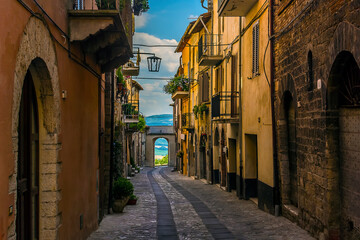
154, 133
37, 55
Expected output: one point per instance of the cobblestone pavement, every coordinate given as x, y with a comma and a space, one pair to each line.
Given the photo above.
199, 210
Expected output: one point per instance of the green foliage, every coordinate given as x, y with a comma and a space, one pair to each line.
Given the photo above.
180, 154
117, 156
140, 126
203, 108
140, 6
163, 161
196, 111
106, 4
132, 162
122, 188
133, 197
120, 76
177, 82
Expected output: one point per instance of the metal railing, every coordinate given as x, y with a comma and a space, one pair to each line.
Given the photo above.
225, 105
220, 2
209, 45
98, 5
131, 110
185, 120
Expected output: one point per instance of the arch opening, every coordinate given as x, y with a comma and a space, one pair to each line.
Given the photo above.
344, 105
161, 151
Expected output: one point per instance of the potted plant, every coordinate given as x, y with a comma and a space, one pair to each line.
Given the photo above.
122, 190
180, 154
196, 111
106, 4
140, 6
132, 200
176, 84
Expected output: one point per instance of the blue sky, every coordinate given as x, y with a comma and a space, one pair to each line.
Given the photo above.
164, 23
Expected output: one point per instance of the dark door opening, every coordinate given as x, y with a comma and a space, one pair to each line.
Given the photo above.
251, 166
291, 145
27, 223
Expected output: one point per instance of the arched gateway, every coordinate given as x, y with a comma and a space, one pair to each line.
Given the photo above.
155, 133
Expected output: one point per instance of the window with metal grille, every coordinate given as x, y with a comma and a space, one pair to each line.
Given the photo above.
204, 83
255, 50
78, 4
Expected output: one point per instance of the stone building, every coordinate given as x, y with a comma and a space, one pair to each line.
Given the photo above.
52, 101
316, 58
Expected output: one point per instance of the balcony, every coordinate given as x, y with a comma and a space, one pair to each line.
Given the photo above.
187, 121
225, 106
131, 112
104, 32
210, 50
235, 8
180, 95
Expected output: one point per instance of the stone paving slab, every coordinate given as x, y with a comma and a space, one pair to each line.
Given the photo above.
241, 217
223, 211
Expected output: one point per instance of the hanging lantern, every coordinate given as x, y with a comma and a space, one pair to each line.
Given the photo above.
154, 64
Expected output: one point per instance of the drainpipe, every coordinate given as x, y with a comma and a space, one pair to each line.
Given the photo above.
276, 167
111, 141
241, 183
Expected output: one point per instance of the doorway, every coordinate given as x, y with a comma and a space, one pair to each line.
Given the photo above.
344, 101
161, 152
232, 165
223, 160
27, 214
251, 166
289, 110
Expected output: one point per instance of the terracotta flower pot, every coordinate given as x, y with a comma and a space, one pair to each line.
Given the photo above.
119, 204
132, 202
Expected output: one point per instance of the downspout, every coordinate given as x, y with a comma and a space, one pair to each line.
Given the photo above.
241, 182
272, 83
211, 120
111, 141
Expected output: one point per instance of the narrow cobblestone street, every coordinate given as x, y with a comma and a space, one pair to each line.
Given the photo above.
171, 206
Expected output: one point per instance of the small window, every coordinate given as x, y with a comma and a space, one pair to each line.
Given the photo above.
255, 50
78, 4
310, 73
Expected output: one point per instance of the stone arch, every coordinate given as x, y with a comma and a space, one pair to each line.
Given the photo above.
342, 47
37, 54
286, 96
159, 137
152, 135
343, 111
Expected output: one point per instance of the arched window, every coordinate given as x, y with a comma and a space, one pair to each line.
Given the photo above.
310, 73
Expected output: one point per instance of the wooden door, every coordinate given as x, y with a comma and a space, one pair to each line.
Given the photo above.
28, 165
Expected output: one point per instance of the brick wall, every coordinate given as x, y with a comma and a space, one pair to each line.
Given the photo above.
325, 28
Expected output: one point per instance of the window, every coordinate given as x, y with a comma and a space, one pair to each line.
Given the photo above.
310, 73
78, 4
204, 81
218, 79
255, 50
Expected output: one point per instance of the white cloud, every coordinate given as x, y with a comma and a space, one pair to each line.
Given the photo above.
193, 17
153, 100
170, 60
142, 20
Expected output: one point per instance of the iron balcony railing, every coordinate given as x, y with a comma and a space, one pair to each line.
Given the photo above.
209, 45
219, 3
99, 5
131, 110
186, 120
225, 105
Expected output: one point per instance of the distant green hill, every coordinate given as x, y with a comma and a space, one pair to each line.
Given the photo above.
159, 120
161, 116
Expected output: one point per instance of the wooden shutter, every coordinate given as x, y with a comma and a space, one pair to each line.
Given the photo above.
255, 58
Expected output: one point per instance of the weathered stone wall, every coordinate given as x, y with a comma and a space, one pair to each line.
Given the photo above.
325, 28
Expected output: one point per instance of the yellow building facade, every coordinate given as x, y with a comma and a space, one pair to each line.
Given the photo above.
226, 130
